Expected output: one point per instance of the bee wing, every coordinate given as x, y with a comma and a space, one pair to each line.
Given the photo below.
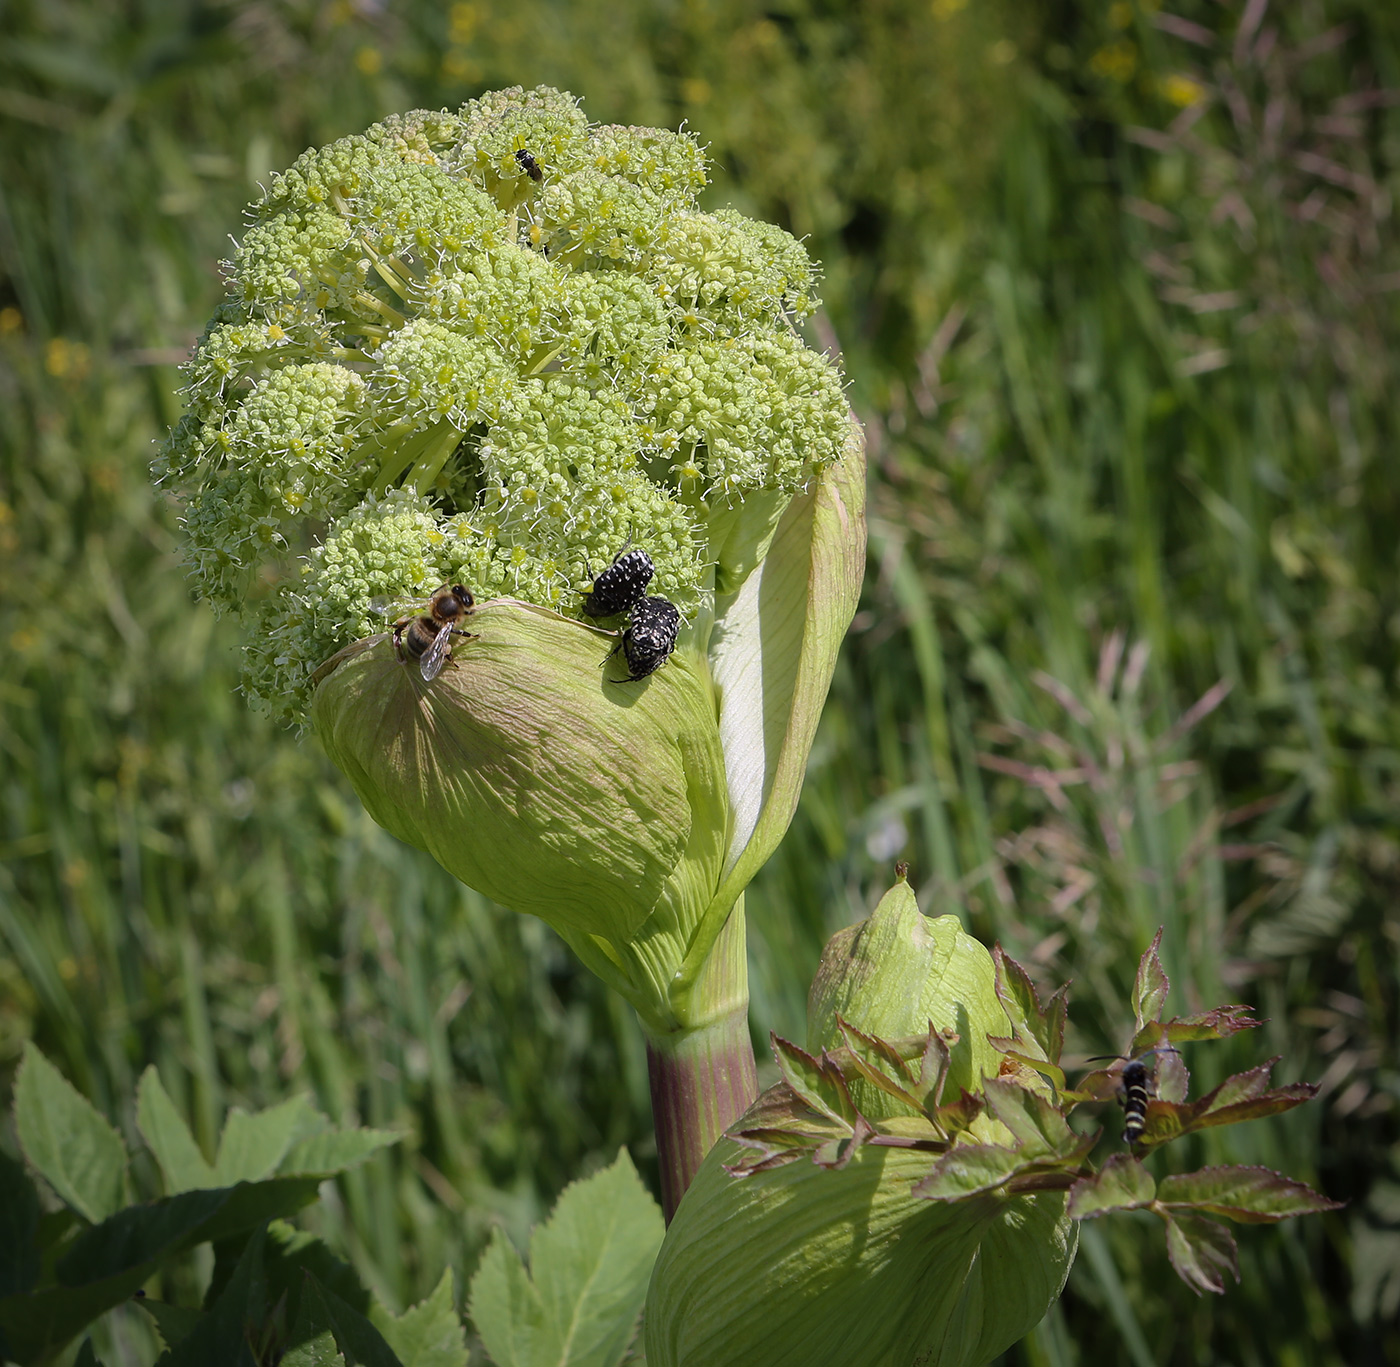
436, 655
395, 604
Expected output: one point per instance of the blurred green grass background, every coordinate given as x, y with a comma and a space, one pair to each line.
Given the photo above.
1116, 287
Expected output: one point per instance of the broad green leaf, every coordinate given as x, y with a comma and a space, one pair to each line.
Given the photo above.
1151, 986
35, 1325
87, 1356
252, 1146
174, 1323
772, 654
507, 1310
109, 1262
358, 1340
1122, 1184
138, 1237
319, 1351
1250, 1195
182, 1164
1202, 1251
67, 1141
220, 1339
335, 1151
19, 1229
590, 1264
429, 1334
289, 1254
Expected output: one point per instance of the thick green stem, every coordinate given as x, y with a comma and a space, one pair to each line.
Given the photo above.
703, 1078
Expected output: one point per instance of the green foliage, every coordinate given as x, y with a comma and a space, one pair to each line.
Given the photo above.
589, 1266
61, 1273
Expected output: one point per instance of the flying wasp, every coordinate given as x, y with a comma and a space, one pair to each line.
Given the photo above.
1137, 1085
426, 635
650, 638
529, 165
620, 587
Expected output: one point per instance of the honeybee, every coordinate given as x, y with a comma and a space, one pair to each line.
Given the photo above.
529, 165
426, 635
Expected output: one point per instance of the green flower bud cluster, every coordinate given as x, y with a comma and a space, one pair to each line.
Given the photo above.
432, 367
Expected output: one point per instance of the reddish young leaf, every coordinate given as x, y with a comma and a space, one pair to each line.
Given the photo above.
1044, 1027
955, 1116
968, 1169
837, 1152
1245, 1096
1122, 1184
818, 1082
1249, 1195
1151, 986
1202, 1251
1038, 1127
1217, 1024
881, 1064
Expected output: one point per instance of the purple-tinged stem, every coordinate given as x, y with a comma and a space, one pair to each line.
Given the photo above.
703, 1078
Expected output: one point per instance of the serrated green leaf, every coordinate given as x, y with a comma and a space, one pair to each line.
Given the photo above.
592, 1260
182, 1164
1249, 1195
138, 1237
68, 1142
220, 1339
429, 1334
319, 1351
507, 1310
252, 1146
1122, 1184
361, 1344
1151, 986
334, 1151
590, 1264
290, 1253
174, 1323
19, 1229
1202, 1251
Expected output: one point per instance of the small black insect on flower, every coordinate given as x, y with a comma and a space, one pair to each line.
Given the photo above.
650, 637
620, 587
529, 165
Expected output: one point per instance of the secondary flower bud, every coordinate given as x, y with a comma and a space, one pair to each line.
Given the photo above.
803, 1264
899, 971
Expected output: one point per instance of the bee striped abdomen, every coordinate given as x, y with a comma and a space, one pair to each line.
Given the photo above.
1137, 1092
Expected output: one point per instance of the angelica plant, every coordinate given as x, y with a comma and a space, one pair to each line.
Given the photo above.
498, 347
